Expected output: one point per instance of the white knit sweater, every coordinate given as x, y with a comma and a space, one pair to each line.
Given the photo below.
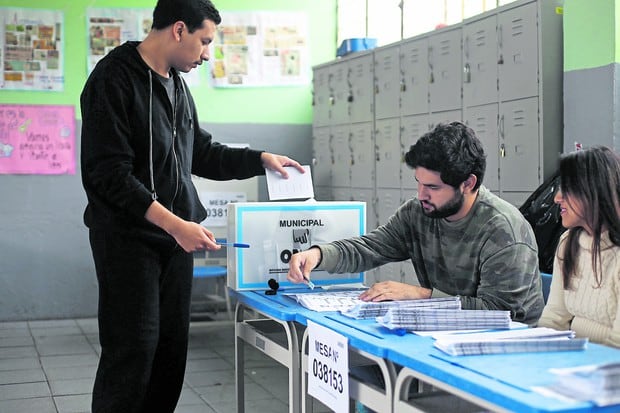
589, 311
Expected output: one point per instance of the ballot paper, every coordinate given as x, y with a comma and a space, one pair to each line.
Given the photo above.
296, 186
369, 309
599, 384
510, 341
429, 319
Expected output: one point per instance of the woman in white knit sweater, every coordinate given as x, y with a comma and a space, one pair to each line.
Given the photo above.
585, 288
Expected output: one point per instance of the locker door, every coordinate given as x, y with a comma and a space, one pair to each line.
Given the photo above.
320, 96
362, 169
518, 52
361, 78
387, 152
339, 88
341, 194
411, 129
443, 117
483, 120
322, 157
480, 62
341, 156
323, 193
444, 58
519, 162
415, 76
388, 201
366, 195
387, 82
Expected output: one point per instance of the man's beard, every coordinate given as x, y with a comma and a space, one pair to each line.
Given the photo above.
453, 206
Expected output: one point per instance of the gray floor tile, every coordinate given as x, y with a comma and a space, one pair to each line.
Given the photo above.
205, 378
9, 325
73, 330
51, 323
207, 365
18, 352
69, 360
24, 390
71, 372
61, 345
189, 397
200, 408
15, 341
73, 404
14, 332
71, 387
21, 376
38, 405
20, 363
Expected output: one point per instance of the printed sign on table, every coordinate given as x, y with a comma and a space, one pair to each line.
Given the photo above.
328, 367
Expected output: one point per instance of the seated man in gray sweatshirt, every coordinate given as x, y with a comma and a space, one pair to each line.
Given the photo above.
462, 239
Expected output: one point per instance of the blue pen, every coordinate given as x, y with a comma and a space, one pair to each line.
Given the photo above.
233, 244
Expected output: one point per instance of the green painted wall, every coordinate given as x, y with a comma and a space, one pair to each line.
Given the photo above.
590, 34
274, 105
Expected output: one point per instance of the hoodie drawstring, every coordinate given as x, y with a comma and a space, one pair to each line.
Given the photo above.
153, 193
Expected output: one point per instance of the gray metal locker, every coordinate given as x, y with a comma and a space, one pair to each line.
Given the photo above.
363, 159
388, 201
341, 193
339, 88
387, 81
341, 155
443, 117
484, 121
415, 76
362, 91
518, 52
480, 61
519, 162
411, 129
387, 153
322, 156
368, 196
323, 193
444, 59
321, 94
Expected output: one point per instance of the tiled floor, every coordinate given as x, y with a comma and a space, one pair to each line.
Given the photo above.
49, 367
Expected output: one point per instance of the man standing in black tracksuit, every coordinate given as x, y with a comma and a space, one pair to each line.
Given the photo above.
141, 142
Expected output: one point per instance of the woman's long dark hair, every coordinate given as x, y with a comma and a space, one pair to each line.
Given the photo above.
593, 177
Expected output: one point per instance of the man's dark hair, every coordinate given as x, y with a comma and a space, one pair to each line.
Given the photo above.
191, 12
453, 150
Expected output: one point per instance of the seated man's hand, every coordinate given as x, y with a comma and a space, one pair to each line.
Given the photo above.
301, 264
392, 290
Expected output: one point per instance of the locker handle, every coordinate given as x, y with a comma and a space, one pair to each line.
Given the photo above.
502, 151
403, 85
467, 73
332, 100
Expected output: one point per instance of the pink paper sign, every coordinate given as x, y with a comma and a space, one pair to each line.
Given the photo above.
37, 139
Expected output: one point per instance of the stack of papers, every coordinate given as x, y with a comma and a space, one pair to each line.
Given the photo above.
377, 309
415, 319
599, 384
510, 341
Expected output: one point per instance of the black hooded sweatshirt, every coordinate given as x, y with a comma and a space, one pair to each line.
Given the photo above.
136, 147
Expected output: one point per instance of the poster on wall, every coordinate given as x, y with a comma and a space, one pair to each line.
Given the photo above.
261, 49
32, 49
37, 139
108, 28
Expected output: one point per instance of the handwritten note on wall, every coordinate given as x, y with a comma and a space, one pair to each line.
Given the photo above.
37, 139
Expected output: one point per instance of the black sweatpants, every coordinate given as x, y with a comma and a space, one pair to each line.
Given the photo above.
144, 306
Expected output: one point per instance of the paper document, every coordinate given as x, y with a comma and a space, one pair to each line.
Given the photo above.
297, 186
